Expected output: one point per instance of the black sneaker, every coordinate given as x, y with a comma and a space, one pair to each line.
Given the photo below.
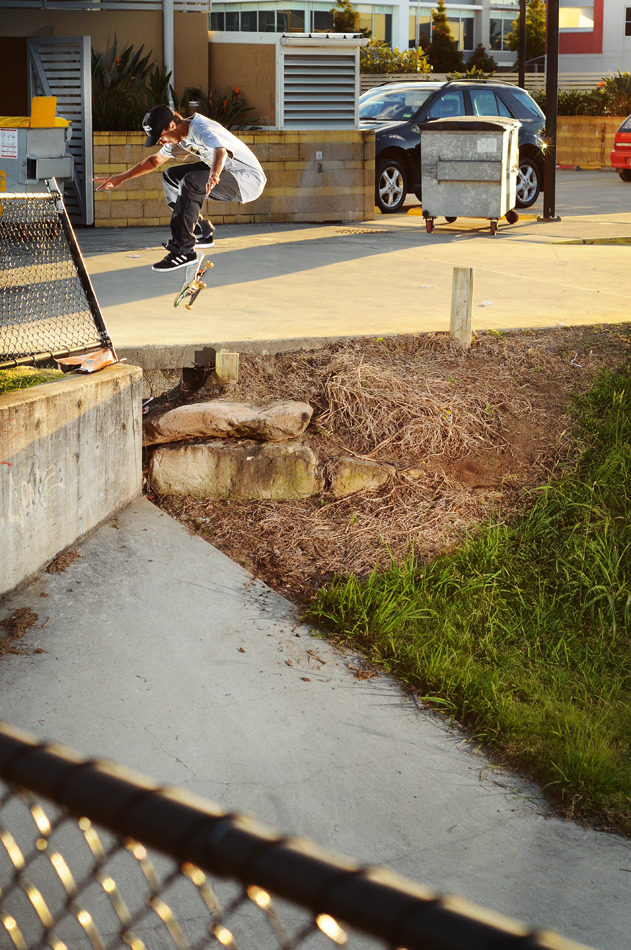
204, 240
175, 261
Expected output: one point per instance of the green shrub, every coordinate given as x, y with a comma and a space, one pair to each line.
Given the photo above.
228, 108
378, 57
481, 63
122, 88
616, 91
126, 85
611, 97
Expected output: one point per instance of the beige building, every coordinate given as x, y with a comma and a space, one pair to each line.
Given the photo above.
176, 32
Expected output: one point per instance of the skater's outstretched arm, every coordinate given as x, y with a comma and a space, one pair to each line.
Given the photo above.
147, 165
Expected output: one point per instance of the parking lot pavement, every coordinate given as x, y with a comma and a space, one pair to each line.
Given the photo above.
307, 283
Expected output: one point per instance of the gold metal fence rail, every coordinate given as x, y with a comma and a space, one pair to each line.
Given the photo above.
117, 814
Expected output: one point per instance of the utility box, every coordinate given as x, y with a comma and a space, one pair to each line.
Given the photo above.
469, 168
34, 148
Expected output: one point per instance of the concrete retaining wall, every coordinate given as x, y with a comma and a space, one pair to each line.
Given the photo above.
339, 187
70, 456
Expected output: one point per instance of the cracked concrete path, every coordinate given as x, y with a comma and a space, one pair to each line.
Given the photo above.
164, 655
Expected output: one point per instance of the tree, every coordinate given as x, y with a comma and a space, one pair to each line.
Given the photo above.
535, 30
443, 52
481, 61
345, 17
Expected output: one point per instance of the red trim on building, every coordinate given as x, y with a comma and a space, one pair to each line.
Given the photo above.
588, 42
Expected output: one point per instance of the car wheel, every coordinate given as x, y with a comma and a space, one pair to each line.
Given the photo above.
528, 182
625, 174
391, 185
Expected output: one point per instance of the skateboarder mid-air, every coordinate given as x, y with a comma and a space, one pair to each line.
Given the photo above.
228, 171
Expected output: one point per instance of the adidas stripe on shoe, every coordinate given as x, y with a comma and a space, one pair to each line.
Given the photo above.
175, 261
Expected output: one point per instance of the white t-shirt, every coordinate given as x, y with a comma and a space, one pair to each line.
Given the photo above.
204, 136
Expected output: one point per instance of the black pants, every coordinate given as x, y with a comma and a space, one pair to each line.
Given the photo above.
185, 193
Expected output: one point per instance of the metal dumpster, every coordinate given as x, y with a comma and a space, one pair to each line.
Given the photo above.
469, 168
34, 148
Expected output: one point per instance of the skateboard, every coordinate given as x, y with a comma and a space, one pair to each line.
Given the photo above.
194, 285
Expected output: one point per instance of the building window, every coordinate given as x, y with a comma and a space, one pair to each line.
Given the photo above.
576, 16
500, 25
290, 21
462, 31
627, 22
258, 18
460, 23
321, 21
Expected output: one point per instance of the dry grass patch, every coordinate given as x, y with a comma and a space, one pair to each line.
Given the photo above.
467, 432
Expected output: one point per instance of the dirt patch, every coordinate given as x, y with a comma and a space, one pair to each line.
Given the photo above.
469, 432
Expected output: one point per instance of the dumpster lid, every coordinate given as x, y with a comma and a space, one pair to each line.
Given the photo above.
24, 122
470, 123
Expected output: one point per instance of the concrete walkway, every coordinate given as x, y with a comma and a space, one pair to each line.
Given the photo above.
163, 654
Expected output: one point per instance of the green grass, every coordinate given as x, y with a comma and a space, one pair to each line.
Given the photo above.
524, 632
23, 377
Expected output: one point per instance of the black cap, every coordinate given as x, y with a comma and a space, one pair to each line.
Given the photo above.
155, 122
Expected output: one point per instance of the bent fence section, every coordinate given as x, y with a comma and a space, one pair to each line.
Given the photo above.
92, 855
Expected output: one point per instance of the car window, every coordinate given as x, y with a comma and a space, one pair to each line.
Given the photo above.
626, 125
393, 104
450, 103
525, 106
483, 102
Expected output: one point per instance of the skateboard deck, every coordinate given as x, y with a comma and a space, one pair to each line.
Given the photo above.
194, 285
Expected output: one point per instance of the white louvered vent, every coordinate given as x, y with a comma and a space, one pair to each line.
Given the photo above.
319, 91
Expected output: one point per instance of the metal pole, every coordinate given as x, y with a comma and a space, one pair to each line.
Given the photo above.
522, 44
552, 85
169, 44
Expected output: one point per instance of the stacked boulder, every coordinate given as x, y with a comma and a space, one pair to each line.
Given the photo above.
234, 450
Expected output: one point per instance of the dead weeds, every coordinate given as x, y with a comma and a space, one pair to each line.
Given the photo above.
467, 431
16, 626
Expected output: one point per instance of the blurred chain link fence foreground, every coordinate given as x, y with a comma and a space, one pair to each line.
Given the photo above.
94, 856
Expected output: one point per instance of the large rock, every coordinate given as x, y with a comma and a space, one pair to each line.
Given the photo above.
351, 475
242, 470
278, 422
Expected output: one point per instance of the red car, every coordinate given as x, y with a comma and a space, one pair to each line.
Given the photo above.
621, 155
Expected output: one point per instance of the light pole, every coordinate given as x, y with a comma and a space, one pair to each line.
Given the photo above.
522, 44
552, 85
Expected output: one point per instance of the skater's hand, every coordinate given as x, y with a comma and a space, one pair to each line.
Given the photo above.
213, 181
108, 181
219, 160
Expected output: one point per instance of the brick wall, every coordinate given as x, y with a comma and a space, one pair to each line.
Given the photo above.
586, 141
343, 190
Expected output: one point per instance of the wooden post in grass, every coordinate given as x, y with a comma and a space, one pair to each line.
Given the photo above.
226, 367
461, 303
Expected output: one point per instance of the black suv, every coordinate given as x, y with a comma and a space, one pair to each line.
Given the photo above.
396, 109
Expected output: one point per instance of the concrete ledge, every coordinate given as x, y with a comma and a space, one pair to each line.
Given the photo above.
70, 456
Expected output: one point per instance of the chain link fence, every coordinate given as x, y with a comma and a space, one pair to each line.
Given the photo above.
48, 308
94, 856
